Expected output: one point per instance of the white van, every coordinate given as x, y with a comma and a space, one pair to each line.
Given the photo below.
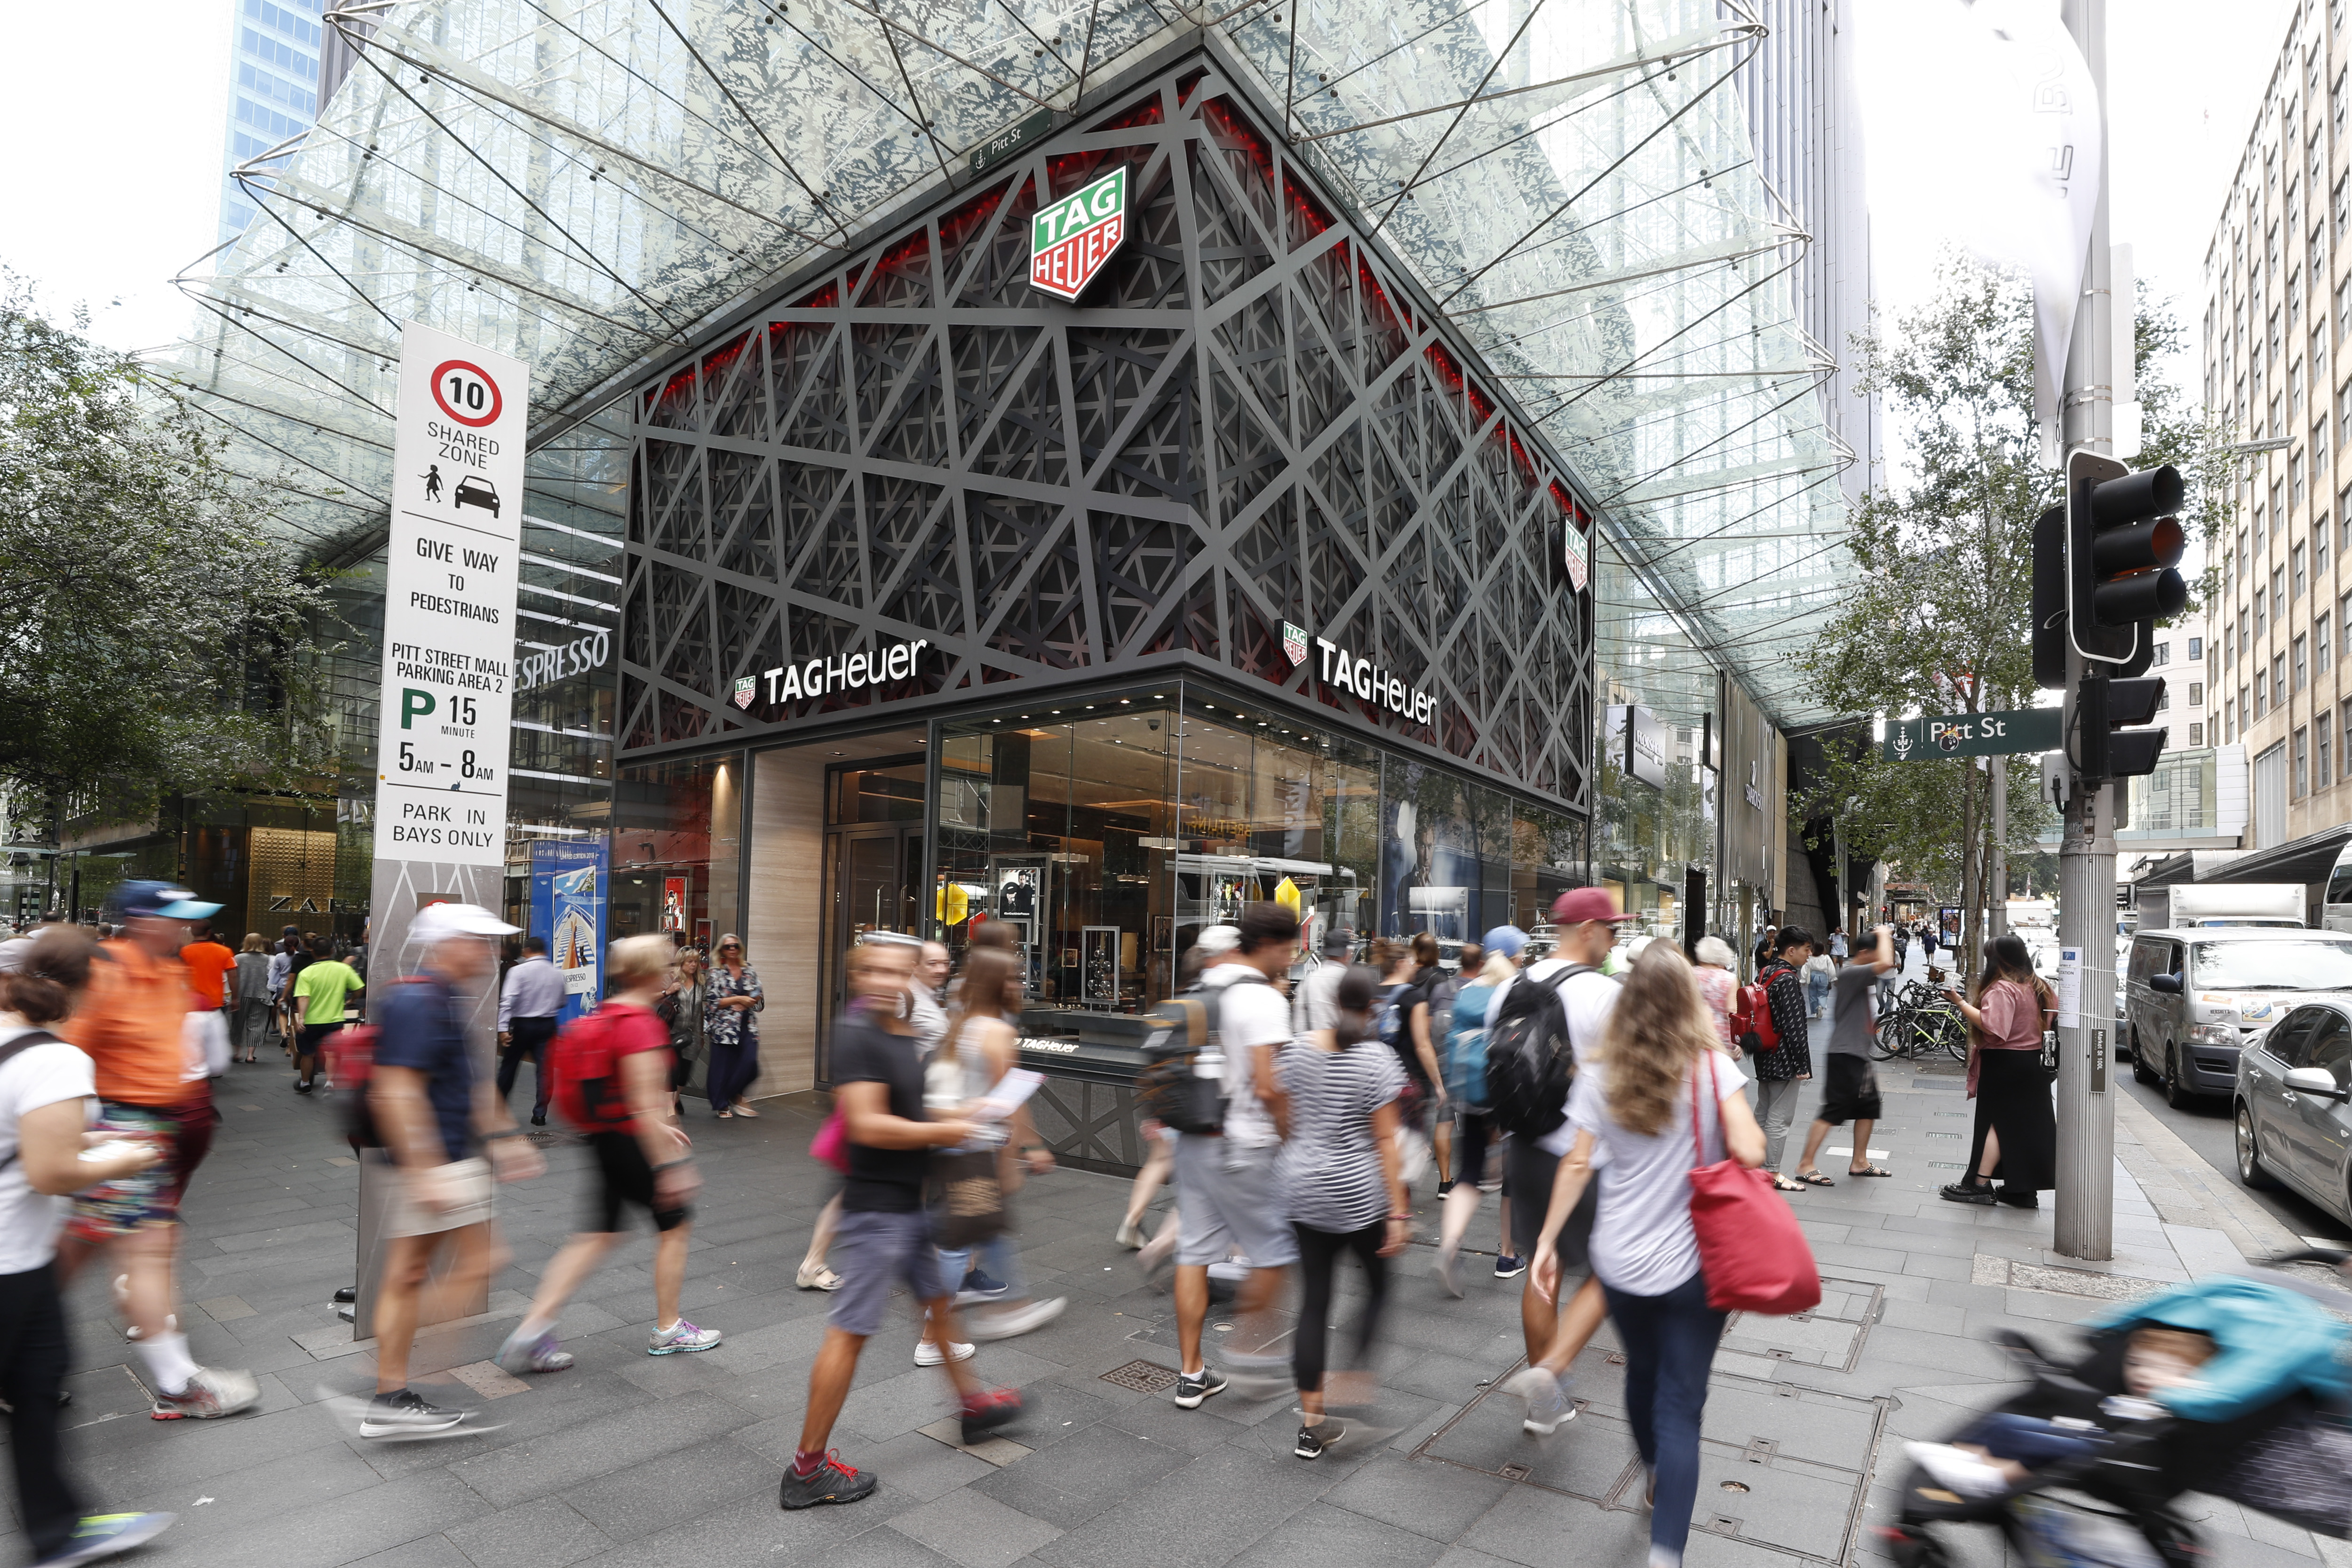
2193, 996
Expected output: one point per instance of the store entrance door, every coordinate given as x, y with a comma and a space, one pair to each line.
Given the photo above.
873, 882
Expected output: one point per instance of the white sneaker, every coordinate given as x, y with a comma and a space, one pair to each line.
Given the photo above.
1004, 1322
1548, 1403
1129, 1234
1962, 1472
928, 1353
682, 1338
211, 1392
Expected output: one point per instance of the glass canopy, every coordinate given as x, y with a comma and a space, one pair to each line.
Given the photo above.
586, 183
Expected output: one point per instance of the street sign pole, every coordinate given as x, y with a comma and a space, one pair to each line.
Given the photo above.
2086, 852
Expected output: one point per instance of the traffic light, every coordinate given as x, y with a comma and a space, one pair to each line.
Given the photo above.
2107, 742
2050, 598
2123, 542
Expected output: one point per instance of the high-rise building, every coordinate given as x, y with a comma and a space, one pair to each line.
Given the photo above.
1798, 90
2278, 308
273, 91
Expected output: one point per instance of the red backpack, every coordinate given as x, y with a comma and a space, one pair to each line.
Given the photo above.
585, 1062
1751, 1020
351, 1068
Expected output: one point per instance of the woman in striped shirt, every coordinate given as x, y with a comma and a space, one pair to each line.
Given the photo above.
1339, 1178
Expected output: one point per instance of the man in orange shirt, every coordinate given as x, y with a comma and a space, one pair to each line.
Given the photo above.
132, 1024
210, 965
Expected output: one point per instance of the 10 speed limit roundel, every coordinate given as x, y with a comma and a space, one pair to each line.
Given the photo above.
466, 393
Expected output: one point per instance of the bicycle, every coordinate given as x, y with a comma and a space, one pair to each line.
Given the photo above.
1919, 1024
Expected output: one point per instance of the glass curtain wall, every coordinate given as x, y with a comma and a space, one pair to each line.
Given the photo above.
1111, 831
677, 849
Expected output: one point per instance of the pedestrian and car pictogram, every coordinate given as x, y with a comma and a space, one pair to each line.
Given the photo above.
475, 490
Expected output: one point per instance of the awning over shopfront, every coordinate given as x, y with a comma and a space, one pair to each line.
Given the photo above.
586, 185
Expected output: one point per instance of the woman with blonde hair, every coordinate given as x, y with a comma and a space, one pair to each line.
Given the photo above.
250, 1019
733, 1021
1634, 1117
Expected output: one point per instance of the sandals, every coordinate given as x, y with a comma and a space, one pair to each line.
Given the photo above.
1814, 1179
1781, 1184
1869, 1171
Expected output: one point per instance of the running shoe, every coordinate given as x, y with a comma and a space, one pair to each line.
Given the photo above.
1446, 1280
1191, 1387
1129, 1234
406, 1415
979, 1287
682, 1338
926, 1354
1314, 1440
1509, 1268
1548, 1403
818, 1278
1004, 1322
104, 1534
985, 1413
541, 1353
831, 1481
210, 1392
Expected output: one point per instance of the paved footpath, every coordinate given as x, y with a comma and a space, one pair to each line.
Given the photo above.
629, 1460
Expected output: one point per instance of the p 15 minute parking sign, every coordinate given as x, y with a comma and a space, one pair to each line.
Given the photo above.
1070, 241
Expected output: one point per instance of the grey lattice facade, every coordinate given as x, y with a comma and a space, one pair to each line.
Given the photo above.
1249, 419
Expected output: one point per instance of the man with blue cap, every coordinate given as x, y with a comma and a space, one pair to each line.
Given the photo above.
132, 1025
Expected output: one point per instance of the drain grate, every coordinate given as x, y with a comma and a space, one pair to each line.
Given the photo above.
1143, 1376
1514, 1472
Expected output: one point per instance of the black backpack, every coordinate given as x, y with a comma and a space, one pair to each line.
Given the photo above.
1170, 1089
1530, 1062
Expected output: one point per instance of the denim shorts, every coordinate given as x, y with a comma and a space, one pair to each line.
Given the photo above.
871, 1252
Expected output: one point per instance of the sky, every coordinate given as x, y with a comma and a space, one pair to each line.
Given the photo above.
2181, 99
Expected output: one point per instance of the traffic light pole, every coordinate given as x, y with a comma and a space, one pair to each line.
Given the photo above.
2086, 853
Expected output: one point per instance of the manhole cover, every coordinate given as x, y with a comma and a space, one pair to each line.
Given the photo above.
1143, 1376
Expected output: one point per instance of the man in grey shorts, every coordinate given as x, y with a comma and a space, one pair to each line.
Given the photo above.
1224, 1181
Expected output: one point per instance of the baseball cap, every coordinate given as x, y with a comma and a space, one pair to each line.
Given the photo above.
161, 901
1508, 940
1339, 942
1579, 905
439, 922
1218, 940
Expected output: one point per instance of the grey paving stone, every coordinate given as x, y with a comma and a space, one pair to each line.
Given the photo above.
975, 1529
1214, 1507
1084, 1480
652, 1495
1435, 1501
1320, 1536
577, 1452
543, 1534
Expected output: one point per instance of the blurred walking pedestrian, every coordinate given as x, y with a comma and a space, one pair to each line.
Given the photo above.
1718, 987
612, 1084
977, 1048
685, 1009
1819, 970
132, 1025
1468, 957
449, 1137
1316, 1007
250, 1021
322, 992
1474, 1124
46, 1090
1563, 996
885, 1236
1851, 1091
1402, 1017
528, 1001
1224, 1181
1634, 1117
1342, 1186
924, 1009
1787, 1060
736, 1002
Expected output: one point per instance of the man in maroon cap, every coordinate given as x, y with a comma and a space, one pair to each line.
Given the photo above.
1585, 921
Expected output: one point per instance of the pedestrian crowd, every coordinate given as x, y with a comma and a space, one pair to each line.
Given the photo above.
1578, 1079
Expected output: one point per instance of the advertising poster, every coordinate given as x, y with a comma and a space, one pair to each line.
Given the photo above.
673, 913
567, 907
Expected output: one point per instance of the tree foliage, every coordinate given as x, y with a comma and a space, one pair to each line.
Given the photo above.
1939, 618
152, 633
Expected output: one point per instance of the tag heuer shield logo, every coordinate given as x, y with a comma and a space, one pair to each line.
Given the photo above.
1070, 241
745, 685
1294, 644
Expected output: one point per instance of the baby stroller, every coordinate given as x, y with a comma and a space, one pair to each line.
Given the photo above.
2267, 1424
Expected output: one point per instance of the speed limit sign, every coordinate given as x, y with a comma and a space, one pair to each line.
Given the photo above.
465, 392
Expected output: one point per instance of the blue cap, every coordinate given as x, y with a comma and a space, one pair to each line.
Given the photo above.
161, 901
1508, 940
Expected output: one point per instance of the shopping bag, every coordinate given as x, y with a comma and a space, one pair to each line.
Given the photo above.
967, 1199
204, 1039
1751, 1247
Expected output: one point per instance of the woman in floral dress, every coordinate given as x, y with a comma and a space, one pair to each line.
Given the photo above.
732, 1018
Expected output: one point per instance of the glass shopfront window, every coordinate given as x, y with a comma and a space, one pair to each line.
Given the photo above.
677, 849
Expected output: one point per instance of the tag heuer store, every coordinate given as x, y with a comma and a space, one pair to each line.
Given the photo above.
1113, 539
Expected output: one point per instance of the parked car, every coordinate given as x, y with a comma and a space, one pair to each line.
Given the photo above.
2293, 1121
2194, 997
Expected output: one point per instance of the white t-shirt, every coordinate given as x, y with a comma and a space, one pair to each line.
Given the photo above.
35, 1077
1318, 996
1642, 1243
1587, 999
1248, 1016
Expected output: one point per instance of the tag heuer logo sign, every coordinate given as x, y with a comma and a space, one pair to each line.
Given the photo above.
1294, 644
746, 687
1070, 241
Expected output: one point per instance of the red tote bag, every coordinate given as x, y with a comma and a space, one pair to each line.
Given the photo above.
1750, 1247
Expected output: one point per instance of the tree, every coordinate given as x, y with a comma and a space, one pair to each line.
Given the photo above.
154, 634
1938, 620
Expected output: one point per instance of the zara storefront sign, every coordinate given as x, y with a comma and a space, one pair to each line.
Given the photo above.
1360, 677
836, 672
1070, 241
450, 575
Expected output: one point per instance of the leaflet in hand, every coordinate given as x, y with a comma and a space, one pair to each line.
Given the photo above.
1011, 1092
